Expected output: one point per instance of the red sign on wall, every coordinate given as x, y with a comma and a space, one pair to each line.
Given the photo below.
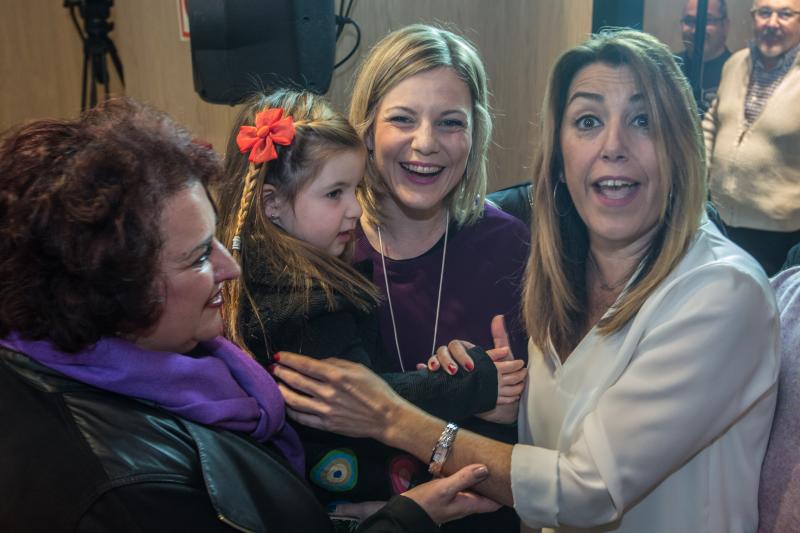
183, 20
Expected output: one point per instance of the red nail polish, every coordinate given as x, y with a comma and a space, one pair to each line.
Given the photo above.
434, 364
469, 366
271, 369
452, 367
276, 356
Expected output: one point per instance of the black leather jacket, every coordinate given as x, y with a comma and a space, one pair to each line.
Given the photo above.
76, 458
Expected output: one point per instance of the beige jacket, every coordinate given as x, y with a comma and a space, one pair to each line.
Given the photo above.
754, 174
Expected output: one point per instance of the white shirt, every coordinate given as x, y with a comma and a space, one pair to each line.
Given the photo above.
662, 426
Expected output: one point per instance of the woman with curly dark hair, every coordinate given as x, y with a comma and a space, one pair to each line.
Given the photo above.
123, 409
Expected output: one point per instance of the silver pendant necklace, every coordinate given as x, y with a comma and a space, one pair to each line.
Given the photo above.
438, 297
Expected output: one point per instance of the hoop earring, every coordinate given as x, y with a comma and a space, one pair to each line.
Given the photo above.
555, 199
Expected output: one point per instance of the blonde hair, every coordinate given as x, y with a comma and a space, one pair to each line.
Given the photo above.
264, 248
398, 56
555, 295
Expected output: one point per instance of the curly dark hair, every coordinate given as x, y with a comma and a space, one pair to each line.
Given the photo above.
80, 215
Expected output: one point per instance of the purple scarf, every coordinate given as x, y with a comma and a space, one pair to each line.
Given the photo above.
221, 386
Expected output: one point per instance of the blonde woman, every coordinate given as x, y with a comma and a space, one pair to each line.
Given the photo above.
445, 262
653, 354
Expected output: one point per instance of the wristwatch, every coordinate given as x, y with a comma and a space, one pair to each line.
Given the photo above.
442, 449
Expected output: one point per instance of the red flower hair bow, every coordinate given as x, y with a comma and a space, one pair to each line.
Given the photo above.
271, 128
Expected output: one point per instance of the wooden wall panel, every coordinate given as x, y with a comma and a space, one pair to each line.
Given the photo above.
518, 39
40, 62
662, 19
160, 67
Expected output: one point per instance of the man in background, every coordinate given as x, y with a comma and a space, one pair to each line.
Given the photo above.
752, 135
715, 52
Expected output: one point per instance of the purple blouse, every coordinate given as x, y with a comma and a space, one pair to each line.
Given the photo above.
483, 277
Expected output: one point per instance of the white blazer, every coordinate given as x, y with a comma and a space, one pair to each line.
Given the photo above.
662, 426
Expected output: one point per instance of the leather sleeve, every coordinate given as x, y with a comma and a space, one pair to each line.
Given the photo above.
150, 506
515, 200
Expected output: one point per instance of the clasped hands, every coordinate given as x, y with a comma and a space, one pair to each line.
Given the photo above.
347, 398
511, 373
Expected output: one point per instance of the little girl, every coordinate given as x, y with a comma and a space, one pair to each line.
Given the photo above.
288, 210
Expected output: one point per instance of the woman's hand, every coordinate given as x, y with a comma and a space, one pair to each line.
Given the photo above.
335, 395
511, 373
360, 511
446, 498
511, 376
451, 360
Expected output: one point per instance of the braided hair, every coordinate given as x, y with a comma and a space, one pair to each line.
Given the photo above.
264, 249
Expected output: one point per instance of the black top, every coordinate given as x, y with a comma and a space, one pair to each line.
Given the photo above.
347, 333
712, 73
343, 468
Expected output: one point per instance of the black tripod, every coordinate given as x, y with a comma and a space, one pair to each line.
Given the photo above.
96, 44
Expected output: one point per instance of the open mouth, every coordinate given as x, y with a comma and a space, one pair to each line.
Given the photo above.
615, 189
423, 171
216, 300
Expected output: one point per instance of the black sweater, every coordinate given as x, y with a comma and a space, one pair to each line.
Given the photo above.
343, 468
347, 333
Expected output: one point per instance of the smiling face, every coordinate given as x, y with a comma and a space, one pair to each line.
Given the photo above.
610, 163
774, 35
421, 140
325, 211
193, 266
